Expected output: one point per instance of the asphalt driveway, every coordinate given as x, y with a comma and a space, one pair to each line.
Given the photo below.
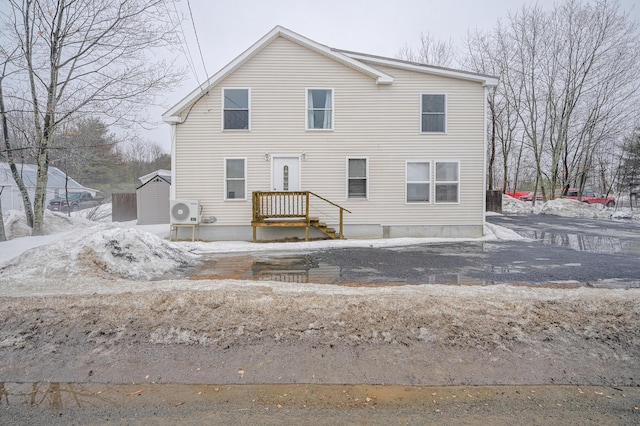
561, 252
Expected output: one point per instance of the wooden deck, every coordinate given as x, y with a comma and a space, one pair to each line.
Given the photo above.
291, 209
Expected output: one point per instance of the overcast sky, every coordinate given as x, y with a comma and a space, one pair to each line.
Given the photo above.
226, 28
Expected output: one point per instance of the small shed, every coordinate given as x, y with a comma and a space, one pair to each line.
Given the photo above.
153, 198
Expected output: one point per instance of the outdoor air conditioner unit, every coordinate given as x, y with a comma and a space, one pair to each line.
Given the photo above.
185, 212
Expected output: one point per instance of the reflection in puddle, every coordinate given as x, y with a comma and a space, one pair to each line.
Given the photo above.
291, 269
305, 269
590, 243
53, 395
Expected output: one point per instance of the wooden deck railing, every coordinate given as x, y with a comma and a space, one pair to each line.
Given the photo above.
283, 208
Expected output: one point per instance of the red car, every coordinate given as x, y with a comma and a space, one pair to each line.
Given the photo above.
591, 197
529, 196
515, 194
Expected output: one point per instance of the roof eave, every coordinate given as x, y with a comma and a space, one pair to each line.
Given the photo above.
486, 80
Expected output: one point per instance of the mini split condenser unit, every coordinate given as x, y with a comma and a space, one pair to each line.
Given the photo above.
185, 211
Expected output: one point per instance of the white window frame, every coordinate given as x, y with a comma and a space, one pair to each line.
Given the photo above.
428, 182
348, 178
226, 179
446, 114
223, 109
308, 108
437, 182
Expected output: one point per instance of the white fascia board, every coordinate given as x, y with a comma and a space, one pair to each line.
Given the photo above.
486, 80
172, 115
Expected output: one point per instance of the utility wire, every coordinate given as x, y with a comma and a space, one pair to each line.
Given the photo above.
195, 32
184, 46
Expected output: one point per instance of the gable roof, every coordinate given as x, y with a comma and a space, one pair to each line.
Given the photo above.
162, 178
164, 174
358, 61
56, 177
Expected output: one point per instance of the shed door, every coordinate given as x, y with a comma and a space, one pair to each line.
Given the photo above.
285, 172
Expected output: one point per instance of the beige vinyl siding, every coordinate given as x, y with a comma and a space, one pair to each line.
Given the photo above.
379, 122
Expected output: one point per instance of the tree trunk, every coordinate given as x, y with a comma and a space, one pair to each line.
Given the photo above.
3, 235
12, 165
492, 154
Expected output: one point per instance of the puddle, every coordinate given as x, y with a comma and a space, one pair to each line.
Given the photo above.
305, 269
288, 268
55, 395
591, 243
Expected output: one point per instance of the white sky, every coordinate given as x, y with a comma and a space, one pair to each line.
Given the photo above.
227, 28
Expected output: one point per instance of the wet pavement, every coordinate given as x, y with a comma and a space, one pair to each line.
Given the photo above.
563, 252
148, 403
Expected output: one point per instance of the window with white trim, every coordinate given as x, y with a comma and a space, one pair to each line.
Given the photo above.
319, 109
357, 177
236, 109
418, 176
235, 172
447, 182
433, 113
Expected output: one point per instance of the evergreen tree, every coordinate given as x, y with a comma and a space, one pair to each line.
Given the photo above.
630, 166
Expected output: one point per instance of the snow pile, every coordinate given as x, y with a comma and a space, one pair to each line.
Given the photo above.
511, 205
104, 251
501, 233
627, 215
15, 223
574, 208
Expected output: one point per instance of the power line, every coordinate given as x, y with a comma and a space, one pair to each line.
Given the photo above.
184, 46
195, 32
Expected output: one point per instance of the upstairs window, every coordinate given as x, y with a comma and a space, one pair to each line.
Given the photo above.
357, 178
433, 113
235, 179
447, 182
319, 109
236, 109
418, 182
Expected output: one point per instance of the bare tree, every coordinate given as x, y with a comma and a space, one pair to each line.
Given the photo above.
431, 51
570, 75
86, 57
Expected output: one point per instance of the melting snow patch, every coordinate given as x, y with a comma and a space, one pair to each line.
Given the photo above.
502, 233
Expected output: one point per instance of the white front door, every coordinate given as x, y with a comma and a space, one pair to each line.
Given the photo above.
285, 173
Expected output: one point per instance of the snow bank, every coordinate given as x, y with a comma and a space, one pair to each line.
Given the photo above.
15, 223
627, 214
566, 208
102, 250
512, 205
574, 208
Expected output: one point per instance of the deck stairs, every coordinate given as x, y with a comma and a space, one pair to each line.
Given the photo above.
291, 209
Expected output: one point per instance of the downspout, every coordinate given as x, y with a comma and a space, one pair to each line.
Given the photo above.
484, 158
172, 190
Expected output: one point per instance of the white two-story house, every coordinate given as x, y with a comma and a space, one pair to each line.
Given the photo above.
300, 135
